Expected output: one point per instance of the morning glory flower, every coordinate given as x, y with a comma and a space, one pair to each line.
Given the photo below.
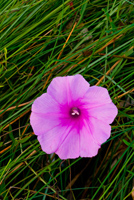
72, 118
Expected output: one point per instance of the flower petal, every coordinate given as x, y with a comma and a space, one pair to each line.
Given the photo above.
51, 140
78, 86
45, 104
96, 96
100, 131
66, 89
106, 113
57, 89
88, 146
70, 146
43, 123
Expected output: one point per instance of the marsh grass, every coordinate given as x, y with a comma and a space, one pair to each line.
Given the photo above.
44, 39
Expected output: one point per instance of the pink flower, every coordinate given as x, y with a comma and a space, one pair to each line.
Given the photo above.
72, 119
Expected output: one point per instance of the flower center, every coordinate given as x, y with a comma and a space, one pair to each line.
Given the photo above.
75, 112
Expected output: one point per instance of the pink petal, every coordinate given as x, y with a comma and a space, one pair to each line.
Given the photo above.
70, 146
52, 139
78, 86
100, 131
42, 123
88, 146
57, 89
96, 96
105, 113
45, 104
66, 89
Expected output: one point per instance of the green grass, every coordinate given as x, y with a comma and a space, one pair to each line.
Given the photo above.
44, 39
